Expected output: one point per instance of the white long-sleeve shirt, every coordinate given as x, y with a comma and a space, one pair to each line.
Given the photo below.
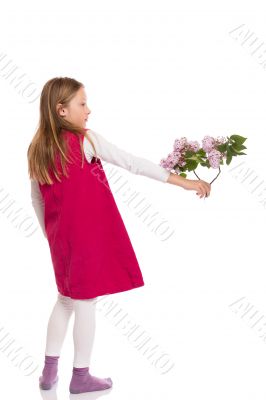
109, 152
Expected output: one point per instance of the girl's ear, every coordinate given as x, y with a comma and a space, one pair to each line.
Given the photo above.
60, 110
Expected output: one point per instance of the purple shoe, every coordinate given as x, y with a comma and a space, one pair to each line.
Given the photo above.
49, 373
82, 381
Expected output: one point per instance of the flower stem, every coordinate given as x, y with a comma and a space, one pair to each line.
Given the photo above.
213, 179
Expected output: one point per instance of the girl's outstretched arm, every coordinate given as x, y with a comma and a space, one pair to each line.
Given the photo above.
139, 165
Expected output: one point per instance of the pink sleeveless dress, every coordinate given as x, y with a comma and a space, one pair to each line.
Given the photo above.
90, 248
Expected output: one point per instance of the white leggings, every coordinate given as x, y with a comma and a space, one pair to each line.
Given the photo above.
83, 329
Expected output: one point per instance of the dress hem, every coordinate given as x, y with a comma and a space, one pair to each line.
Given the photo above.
80, 296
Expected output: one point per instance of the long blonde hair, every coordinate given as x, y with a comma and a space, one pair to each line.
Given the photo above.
47, 140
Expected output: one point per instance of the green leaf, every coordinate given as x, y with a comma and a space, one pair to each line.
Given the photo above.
232, 151
236, 150
208, 163
183, 174
201, 152
222, 147
189, 153
238, 139
191, 165
238, 146
228, 158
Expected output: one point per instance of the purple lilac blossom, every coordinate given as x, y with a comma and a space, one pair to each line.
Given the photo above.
214, 158
194, 145
208, 143
221, 139
180, 144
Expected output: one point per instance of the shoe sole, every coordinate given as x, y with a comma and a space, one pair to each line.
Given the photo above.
87, 391
47, 386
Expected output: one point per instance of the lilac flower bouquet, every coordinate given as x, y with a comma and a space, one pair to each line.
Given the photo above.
187, 155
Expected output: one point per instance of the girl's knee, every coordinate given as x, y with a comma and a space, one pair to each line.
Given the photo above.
66, 301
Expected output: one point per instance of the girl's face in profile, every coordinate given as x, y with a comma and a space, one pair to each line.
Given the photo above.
77, 111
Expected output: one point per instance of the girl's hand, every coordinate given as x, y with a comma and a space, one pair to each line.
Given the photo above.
203, 188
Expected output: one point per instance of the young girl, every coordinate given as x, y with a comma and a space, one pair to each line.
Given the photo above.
90, 248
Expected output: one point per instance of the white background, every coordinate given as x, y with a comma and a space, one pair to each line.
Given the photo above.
153, 72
